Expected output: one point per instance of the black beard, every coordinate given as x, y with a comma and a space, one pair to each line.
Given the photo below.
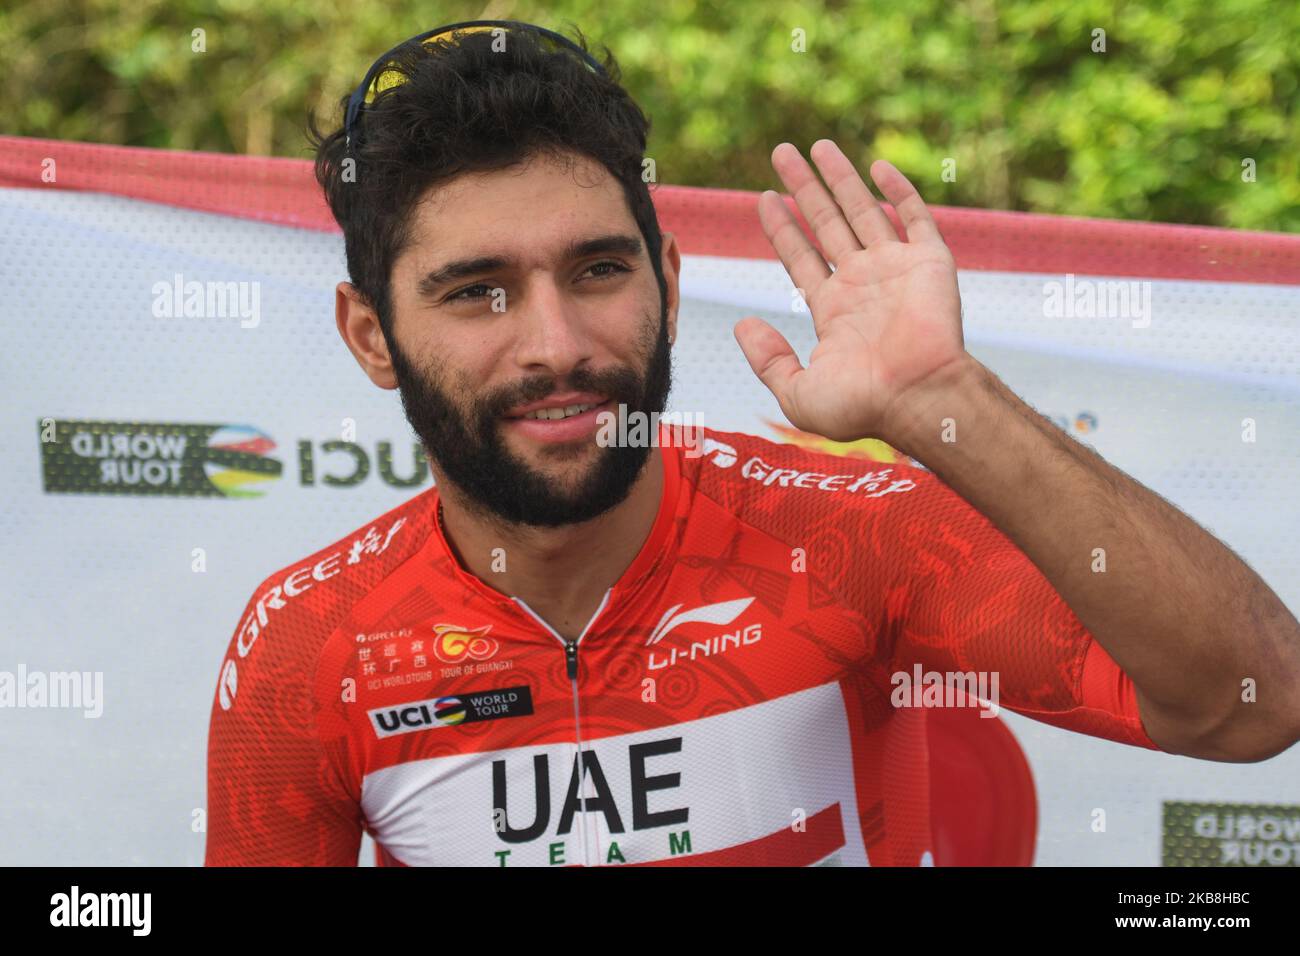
472, 455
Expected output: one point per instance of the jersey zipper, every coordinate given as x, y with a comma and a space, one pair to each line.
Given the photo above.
571, 668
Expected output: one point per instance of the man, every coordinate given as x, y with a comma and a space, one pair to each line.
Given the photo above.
572, 652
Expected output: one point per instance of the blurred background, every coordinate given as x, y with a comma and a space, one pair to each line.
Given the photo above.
1154, 128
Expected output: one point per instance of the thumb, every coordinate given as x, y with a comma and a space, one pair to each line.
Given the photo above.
771, 358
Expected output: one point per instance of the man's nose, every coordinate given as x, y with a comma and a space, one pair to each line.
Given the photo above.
550, 334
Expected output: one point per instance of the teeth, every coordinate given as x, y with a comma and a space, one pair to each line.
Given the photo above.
552, 414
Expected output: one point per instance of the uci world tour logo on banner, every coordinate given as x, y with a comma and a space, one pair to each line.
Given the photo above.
1231, 834
156, 458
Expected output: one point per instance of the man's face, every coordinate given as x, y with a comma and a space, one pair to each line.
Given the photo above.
510, 338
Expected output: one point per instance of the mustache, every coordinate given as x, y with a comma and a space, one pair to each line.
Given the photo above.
621, 382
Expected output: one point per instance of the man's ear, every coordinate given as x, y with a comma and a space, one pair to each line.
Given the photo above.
358, 324
671, 260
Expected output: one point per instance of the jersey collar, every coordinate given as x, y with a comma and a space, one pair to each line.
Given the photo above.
655, 546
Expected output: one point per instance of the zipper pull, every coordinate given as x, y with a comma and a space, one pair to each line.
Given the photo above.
571, 658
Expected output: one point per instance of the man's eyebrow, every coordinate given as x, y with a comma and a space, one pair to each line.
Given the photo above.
614, 243
622, 244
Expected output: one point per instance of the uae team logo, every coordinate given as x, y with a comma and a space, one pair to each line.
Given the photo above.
156, 459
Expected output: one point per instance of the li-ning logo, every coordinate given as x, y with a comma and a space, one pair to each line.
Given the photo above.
723, 613
453, 643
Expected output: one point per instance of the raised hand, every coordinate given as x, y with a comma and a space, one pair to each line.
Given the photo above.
888, 318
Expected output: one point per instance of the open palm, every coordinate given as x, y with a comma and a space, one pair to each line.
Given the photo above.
887, 317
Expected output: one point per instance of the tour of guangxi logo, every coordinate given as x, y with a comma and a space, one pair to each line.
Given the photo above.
453, 643
467, 650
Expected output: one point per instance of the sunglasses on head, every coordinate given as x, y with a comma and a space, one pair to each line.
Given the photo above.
378, 78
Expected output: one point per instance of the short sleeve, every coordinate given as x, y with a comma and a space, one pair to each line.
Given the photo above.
274, 798
974, 602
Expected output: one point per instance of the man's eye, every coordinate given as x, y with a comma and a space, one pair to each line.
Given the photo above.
616, 266
464, 296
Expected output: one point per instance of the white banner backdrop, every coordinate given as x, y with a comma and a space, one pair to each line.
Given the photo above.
111, 583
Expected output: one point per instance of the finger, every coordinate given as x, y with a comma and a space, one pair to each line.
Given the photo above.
861, 210
818, 207
801, 259
771, 358
907, 202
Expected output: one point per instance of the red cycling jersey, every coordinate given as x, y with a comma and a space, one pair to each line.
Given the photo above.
741, 696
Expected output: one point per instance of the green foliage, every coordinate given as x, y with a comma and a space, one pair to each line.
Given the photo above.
1157, 127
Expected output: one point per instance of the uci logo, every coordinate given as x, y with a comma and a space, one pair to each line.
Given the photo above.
453, 643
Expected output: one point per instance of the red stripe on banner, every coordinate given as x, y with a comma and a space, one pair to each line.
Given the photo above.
823, 835
282, 191
721, 222
710, 222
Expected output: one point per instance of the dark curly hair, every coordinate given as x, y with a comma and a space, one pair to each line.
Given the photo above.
463, 108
